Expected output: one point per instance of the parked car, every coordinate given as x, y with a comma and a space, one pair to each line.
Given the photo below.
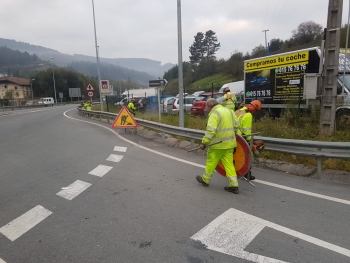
200, 103
164, 104
125, 101
184, 94
173, 105
198, 93
141, 104
152, 102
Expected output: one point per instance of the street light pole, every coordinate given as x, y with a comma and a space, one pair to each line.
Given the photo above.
265, 40
31, 87
97, 59
53, 76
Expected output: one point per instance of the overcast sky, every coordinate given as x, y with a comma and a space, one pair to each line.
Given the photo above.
148, 28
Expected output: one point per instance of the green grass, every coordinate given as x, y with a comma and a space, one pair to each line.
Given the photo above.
289, 126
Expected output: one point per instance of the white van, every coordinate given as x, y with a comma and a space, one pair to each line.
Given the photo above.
47, 101
235, 87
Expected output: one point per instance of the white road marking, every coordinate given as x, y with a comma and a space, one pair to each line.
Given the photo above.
120, 149
100, 170
73, 189
115, 158
1, 261
232, 231
326, 197
20, 113
343, 201
25, 222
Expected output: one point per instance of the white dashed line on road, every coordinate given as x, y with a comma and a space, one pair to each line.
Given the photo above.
73, 189
115, 158
1, 261
101, 170
25, 222
120, 149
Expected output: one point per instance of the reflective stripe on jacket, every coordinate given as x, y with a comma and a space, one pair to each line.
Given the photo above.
221, 127
245, 119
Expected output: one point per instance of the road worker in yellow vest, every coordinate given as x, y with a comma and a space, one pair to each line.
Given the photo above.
229, 100
88, 105
245, 119
131, 107
220, 128
85, 105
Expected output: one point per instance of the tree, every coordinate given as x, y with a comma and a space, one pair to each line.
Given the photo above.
258, 51
275, 44
197, 49
204, 46
212, 45
307, 32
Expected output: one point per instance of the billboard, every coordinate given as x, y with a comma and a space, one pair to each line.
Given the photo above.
277, 79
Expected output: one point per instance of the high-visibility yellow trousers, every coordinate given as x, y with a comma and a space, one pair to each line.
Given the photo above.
213, 158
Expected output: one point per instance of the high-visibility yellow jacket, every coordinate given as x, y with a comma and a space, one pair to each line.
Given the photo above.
229, 101
245, 119
88, 106
221, 127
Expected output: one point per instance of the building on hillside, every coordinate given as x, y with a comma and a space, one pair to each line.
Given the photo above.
13, 88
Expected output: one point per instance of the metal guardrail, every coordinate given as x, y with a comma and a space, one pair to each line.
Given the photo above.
316, 149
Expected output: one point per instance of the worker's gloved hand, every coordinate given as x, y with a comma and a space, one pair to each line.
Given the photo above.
202, 146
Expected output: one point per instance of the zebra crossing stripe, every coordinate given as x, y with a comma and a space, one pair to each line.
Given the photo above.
25, 222
119, 149
115, 158
100, 170
74, 189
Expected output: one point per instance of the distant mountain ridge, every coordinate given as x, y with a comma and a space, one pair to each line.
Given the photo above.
151, 67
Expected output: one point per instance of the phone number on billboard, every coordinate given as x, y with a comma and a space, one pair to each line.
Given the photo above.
259, 93
291, 68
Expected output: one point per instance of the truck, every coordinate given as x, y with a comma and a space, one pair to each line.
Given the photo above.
290, 80
140, 92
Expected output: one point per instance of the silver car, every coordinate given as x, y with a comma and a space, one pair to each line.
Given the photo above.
173, 105
164, 104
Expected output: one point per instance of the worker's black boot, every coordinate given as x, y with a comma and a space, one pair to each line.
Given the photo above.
251, 177
200, 180
234, 190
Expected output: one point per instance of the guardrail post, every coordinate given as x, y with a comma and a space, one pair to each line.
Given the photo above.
192, 143
163, 136
319, 167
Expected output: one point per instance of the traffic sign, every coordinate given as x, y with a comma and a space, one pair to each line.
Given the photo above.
158, 83
89, 87
90, 94
104, 86
124, 120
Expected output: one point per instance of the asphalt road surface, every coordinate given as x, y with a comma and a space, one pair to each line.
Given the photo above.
74, 190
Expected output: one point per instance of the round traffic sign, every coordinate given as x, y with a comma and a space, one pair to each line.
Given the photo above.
90, 94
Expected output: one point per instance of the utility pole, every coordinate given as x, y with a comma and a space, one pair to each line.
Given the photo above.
266, 41
97, 58
180, 68
330, 70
